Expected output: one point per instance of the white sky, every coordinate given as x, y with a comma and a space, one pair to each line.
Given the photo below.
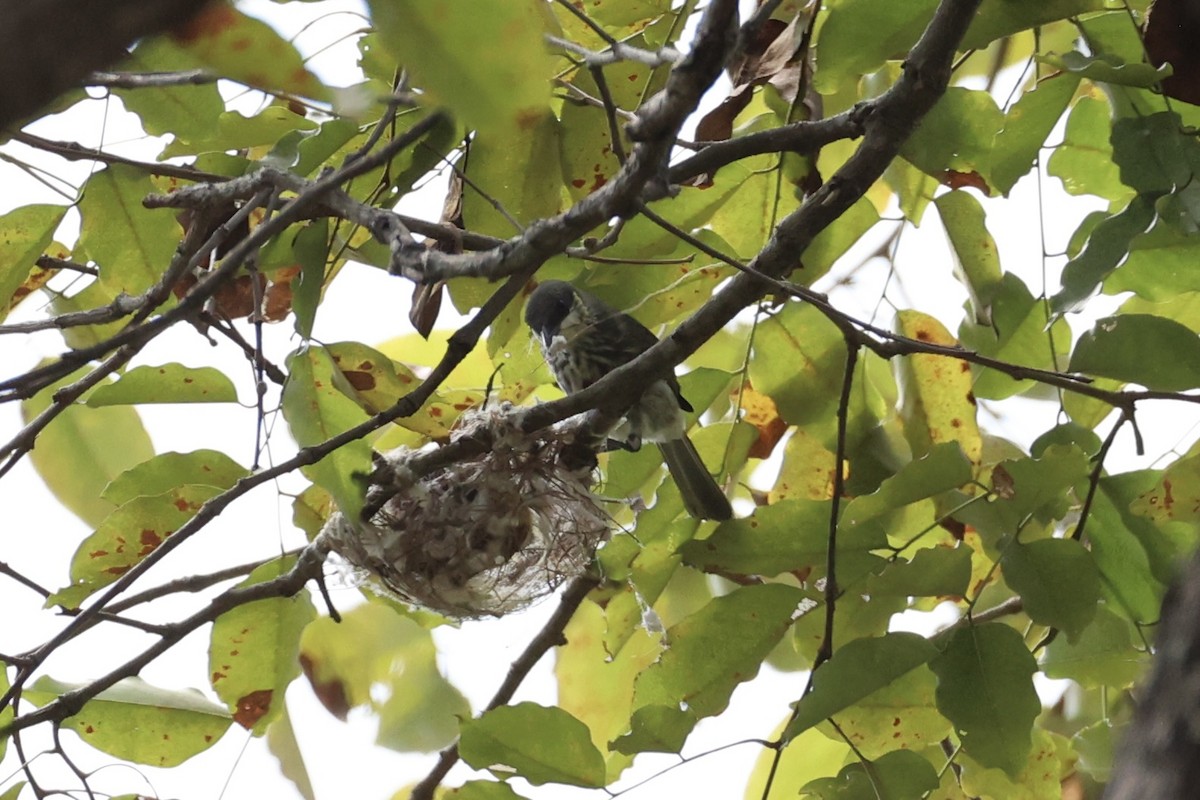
366, 305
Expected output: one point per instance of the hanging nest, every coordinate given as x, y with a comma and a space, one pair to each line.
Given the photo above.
484, 536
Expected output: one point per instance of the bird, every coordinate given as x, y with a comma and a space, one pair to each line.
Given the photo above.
582, 340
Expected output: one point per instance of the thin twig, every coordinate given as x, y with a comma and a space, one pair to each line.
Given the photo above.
73, 151
551, 635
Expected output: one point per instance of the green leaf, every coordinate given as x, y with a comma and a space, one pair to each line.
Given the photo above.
451, 51
985, 687
900, 716
1107, 246
939, 405
131, 245
1026, 126
168, 383
238, 132
82, 449
483, 790
6, 714
1096, 747
1160, 265
977, 264
799, 359
540, 744
1039, 486
1057, 580
856, 670
957, 133
1155, 352
518, 174
860, 35
316, 411
1107, 68
1154, 153
1016, 333
943, 468
166, 471
1084, 161
932, 572
281, 741
832, 243
1103, 655
595, 685
311, 250
783, 537
718, 647
138, 722
996, 21
894, 775
126, 536
1122, 558
185, 112
1050, 762
252, 652
383, 659
247, 50
25, 233
809, 756
656, 729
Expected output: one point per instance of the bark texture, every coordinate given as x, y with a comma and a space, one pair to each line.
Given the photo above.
1160, 754
50, 46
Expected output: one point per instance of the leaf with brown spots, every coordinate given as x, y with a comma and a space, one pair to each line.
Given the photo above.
24, 234
138, 722
244, 49
937, 403
760, 411
859, 671
253, 651
807, 471
331, 691
252, 708
1176, 497
166, 383
375, 646
129, 534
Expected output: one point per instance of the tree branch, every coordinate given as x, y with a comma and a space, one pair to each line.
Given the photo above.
551, 635
307, 567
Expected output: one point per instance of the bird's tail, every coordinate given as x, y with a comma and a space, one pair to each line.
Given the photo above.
702, 498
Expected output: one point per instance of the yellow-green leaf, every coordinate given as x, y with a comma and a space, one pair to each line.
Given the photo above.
138, 722
25, 233
253, 649
83, 448
131, 244
316, 410
485, 60
168, 383
127, 535
247, 50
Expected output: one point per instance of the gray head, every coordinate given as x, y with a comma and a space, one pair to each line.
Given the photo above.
548, 306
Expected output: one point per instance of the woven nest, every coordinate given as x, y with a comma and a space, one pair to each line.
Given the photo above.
481, 537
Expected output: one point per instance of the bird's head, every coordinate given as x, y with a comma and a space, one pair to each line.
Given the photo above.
549, 308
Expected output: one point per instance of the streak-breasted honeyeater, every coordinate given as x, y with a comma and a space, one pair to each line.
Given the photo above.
582, 340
